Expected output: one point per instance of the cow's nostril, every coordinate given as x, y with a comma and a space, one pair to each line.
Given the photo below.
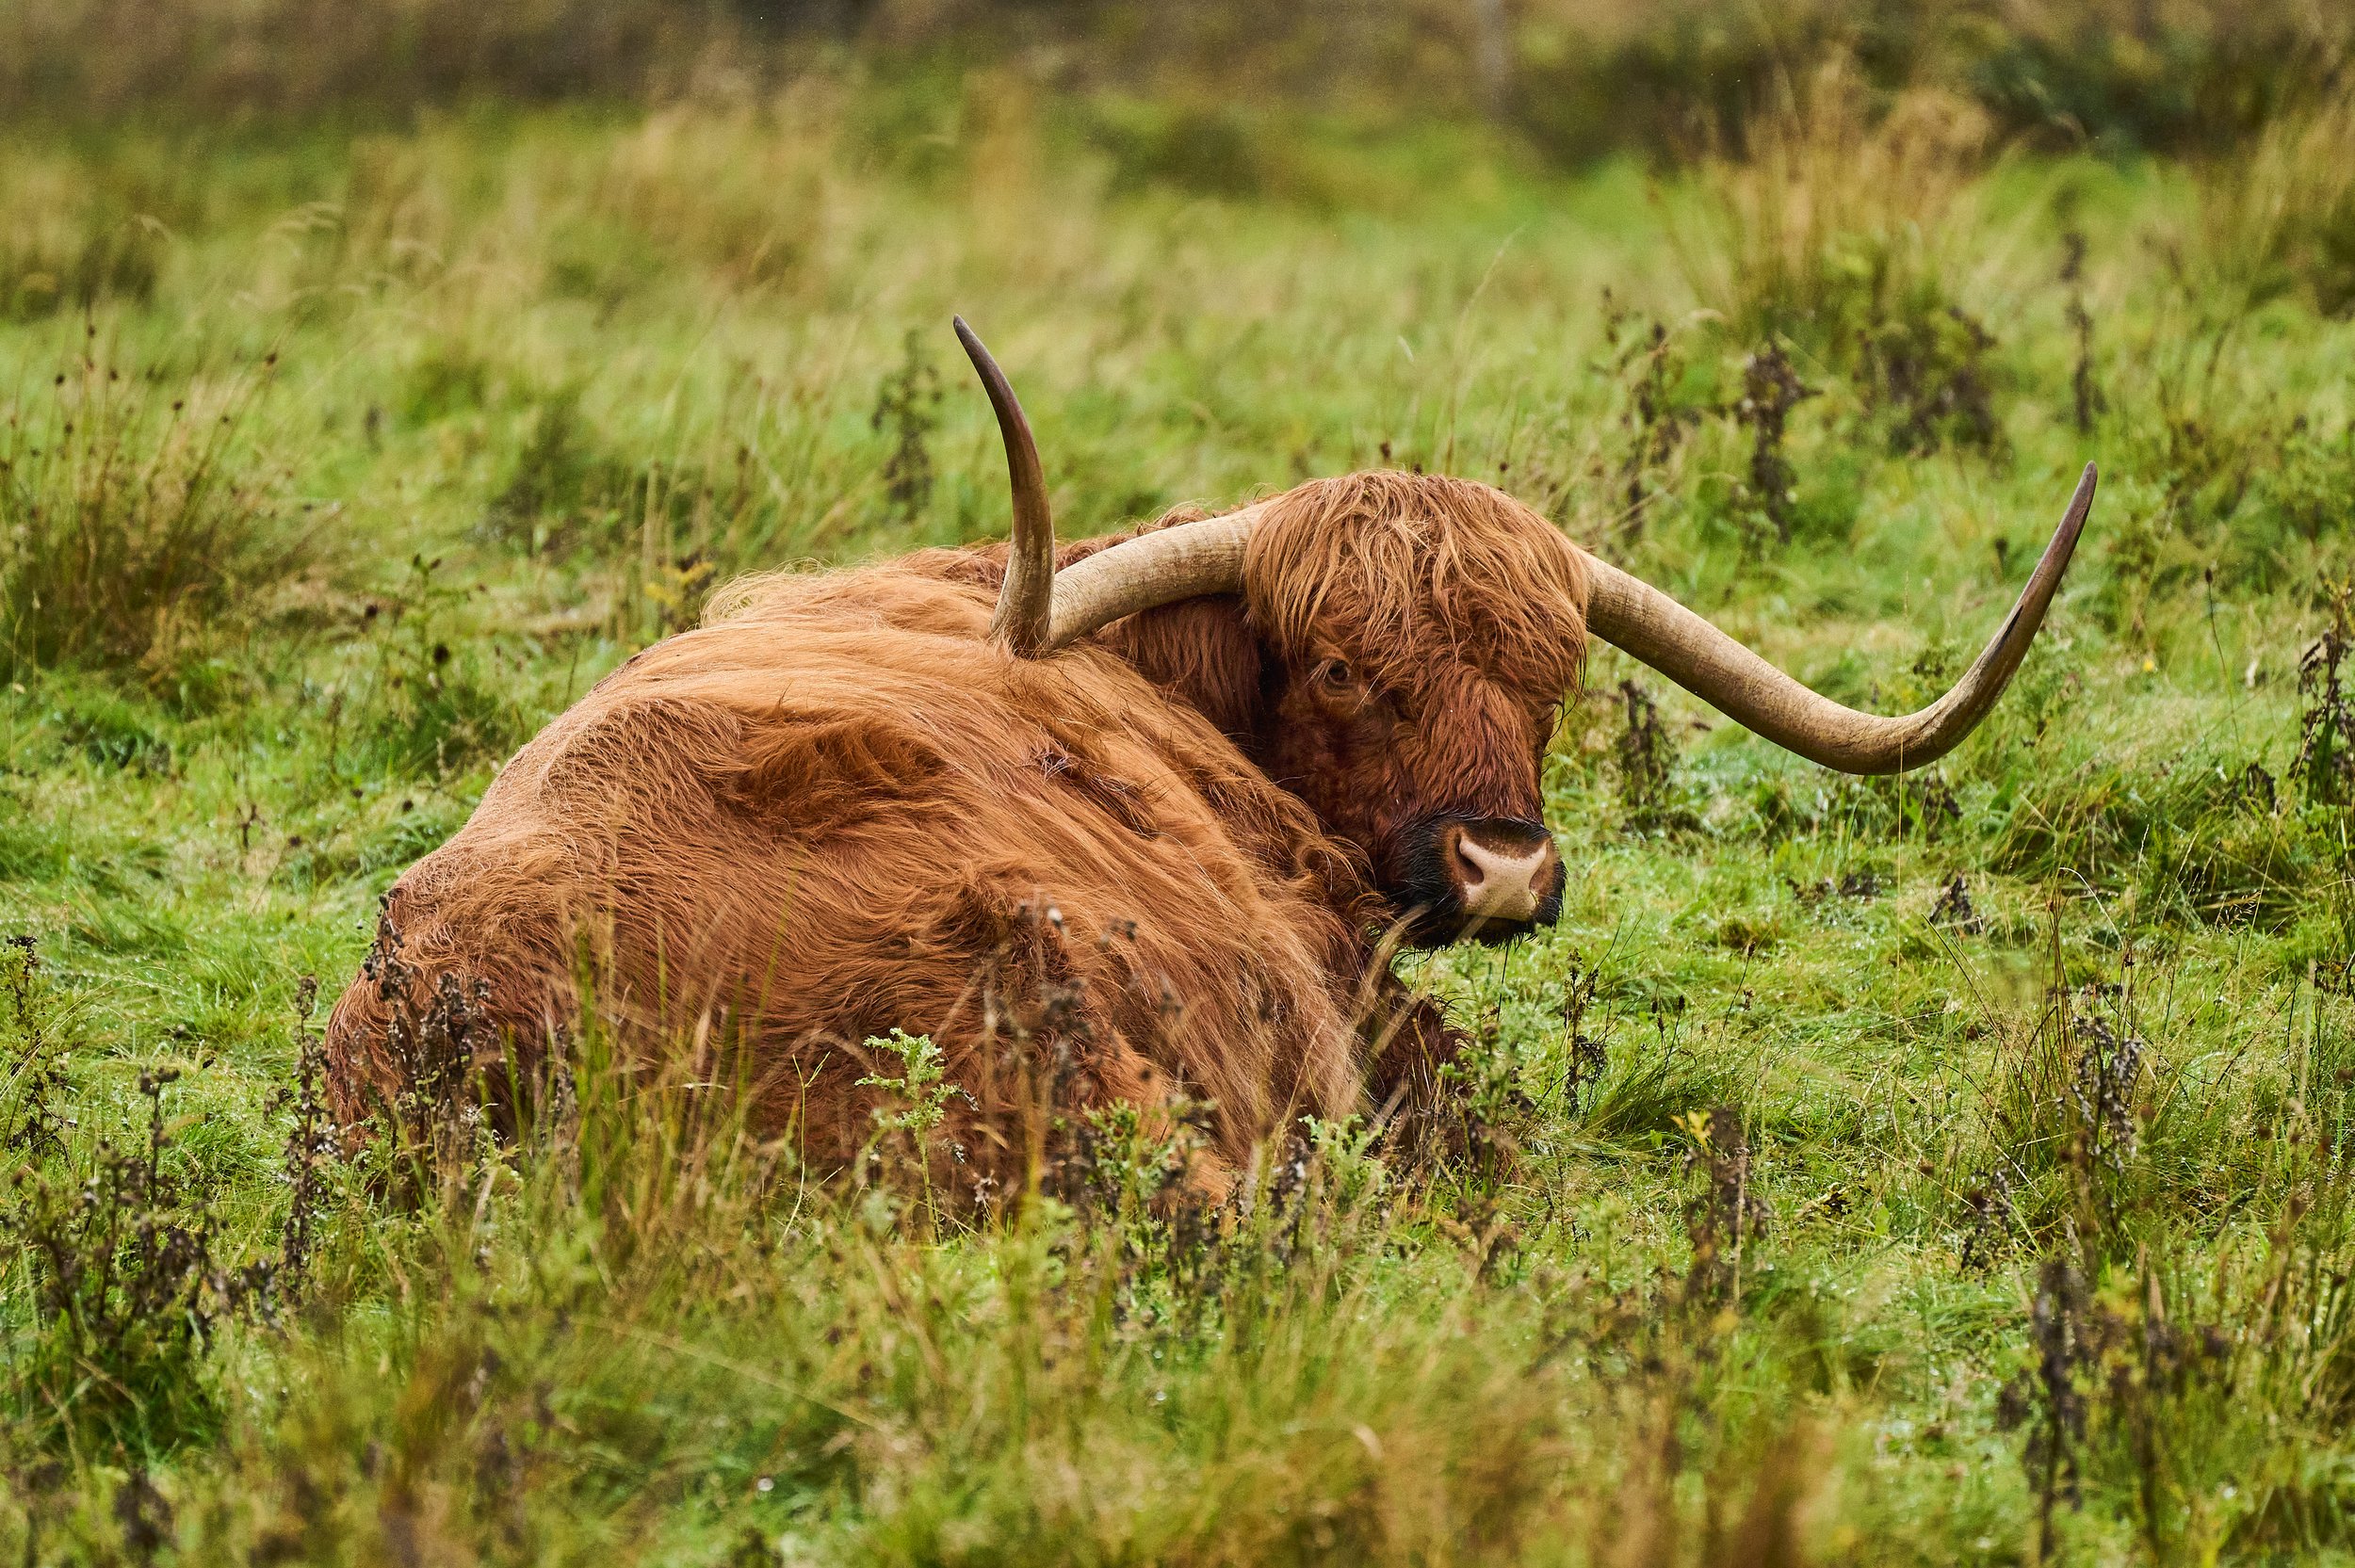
1469, 871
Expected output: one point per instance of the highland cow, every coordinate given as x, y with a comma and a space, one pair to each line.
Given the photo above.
1139, 819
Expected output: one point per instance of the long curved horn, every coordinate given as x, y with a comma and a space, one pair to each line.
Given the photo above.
1026, 598
1152, 570
1640, 620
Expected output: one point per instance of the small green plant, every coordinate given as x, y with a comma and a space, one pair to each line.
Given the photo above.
2324, 769
32, 1098
2046, 1398
1645, 754
920, 1097
1770, 390
1126, 1166
1929, 364
907, 406
2087, 401
922, 1094
1585, 1057
1727, 1217
1658, 421
309, 1154
1488, 1106
2324, 765
1954, 910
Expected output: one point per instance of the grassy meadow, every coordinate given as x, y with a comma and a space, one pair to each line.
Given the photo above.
1952, 1168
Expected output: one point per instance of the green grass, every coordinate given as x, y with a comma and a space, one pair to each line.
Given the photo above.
542, 379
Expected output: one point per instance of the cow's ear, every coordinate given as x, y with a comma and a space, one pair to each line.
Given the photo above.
1202, 650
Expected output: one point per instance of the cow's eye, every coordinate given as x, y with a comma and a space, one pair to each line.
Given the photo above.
1338, 677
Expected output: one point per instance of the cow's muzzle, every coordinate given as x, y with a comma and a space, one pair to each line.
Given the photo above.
1485, 878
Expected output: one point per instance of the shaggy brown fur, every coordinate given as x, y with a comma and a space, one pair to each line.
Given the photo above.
1149, 866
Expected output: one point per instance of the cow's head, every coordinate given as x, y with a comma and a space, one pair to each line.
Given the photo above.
1412, 640
1394, 649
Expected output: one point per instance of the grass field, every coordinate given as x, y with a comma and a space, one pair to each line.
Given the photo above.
1947, 1168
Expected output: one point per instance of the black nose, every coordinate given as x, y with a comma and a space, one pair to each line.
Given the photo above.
1486, 879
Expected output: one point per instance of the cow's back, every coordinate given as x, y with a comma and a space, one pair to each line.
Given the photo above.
841, 812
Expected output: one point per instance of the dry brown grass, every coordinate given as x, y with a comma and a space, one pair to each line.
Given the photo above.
135, 520
2279, 215
1834, 213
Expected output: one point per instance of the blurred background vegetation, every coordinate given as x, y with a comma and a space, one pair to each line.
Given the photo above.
1578, 79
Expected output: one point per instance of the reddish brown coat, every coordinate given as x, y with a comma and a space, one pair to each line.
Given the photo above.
1149, 865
